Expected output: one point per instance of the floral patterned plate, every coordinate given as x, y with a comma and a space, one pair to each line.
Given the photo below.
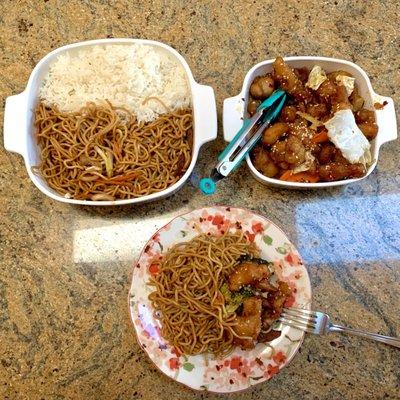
241, 369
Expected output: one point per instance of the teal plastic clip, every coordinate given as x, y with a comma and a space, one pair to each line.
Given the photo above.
244, 140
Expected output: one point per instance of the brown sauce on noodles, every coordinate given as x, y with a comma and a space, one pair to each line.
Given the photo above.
187, 293
103, 153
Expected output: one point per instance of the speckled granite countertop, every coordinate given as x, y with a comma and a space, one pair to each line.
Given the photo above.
65, 331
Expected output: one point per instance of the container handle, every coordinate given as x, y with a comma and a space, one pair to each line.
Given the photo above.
15, 123
205, 113
232, 116
385, 119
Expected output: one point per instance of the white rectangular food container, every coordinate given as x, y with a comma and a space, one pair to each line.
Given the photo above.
19, 120
235, 110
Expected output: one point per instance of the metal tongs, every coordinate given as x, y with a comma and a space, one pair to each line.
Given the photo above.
244, 140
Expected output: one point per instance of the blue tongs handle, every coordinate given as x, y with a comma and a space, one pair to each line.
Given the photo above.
245, 139
248, 124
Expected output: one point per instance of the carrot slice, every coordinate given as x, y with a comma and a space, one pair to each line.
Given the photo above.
306, 177
286, 175
320, 137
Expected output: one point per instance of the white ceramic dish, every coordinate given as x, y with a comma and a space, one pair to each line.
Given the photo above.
240, 369
234, 112
19, 129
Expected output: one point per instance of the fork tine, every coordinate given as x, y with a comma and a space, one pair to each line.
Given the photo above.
300, 318
301, 311
301, 322
301, 326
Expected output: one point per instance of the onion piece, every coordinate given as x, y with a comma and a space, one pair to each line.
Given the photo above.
108, 160
347, 82
314, 122
273, 280
102, 196
316, 77
88, 178
93, 168
306, 165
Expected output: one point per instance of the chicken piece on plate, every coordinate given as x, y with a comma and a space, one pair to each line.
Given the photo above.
327, 153
290, 151
364, 115
288, 114
247, 273
263, 162
295, 152
366, 122
269, 336
268, 318
248, 324
327, 91
252, 106
300, 129
317, 110
369, 129
262, 87
302, 73
273, 305
274, 132
356, 100
278, 151
335, 171
265, 286
341, 100
289, 81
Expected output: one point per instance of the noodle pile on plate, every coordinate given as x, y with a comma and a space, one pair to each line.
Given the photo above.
187, 294
103, 153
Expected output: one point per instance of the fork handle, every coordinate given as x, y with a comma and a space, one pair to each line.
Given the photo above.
374, 336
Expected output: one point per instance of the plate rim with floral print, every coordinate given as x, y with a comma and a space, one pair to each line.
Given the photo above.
242, 368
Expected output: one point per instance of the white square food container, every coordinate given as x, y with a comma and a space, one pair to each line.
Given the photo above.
19, 120
235, 110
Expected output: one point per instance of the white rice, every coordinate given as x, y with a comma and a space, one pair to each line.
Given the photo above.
124, 74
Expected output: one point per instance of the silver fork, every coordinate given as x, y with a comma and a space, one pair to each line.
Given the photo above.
319, 323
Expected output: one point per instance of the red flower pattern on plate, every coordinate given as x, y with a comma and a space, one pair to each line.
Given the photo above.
271, 370
174, 363
218, 220
293, 259
176, 352
153, 269
257, 227
279, 358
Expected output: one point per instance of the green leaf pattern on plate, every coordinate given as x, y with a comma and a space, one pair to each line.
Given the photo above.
267, 240
283, 249
187, 366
